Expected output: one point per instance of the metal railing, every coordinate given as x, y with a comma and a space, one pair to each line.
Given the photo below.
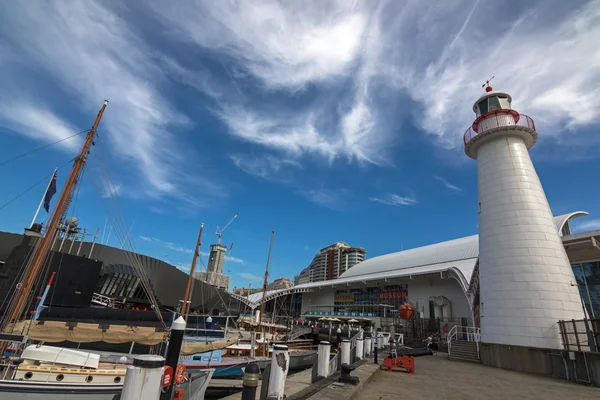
580, 335
464, 333
102, 300
334, 362
497, 119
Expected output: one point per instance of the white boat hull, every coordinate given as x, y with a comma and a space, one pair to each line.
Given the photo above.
32, 390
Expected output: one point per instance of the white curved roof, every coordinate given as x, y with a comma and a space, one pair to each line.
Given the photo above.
458, 255
453, 250
444, 252
561, 220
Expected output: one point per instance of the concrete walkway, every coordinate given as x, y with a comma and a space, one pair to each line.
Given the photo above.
437, 378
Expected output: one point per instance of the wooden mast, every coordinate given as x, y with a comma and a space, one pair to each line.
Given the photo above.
262, 303
46, 241
192, 269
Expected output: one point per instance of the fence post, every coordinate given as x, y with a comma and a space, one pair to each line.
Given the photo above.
250, 382
324, 358
266, 378
280, 365
315, 369
144, 378
360, 349
375, 354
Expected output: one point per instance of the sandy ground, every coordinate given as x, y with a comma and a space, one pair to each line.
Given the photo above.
438, 378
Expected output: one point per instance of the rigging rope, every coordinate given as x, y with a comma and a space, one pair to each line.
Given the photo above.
118, 223
2, 163
127, 240
45, 178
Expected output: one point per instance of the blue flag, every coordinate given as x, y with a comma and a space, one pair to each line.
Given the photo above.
49, 193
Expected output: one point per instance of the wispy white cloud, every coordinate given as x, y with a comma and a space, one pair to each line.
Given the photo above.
37, 122
334, 199
185, 250
234, 259
167, 245
448, 184
266, 167
586, 225
109, 59
285, 49
354, 59
251, 277
392, 199
112, 189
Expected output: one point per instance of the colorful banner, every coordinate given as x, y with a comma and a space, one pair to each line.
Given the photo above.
340, 314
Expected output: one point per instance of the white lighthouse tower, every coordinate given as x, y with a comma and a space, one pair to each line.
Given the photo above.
526, 280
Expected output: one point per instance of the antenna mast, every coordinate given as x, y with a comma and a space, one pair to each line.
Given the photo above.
262, 303
39, 257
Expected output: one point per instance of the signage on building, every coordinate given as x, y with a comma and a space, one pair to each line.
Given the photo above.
344, 298
393, 295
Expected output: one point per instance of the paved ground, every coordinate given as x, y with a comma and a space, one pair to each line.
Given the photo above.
437, 378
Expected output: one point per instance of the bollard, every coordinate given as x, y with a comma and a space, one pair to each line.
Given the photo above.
143, 378
375, 354
324, 356
280, 365
172, 359
346, 352
250, 382
367, 346
360, 349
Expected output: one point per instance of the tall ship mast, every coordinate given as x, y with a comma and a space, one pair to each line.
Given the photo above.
31, 274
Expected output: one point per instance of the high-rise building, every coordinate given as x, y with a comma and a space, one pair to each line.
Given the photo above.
526, 281
332, 261
302, 277
214, 270
280, 283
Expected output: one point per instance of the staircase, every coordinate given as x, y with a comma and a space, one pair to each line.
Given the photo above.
462, 350
463, 344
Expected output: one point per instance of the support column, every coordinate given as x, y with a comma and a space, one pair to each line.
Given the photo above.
324, 358
360, 349
280, 365
143, 379
345, 352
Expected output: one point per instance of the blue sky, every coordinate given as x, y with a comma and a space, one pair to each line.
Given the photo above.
324, 121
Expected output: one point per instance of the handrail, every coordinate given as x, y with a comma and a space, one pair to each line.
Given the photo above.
333, 363
465, 333
491, 120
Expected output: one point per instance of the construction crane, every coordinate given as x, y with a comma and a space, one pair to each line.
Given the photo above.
220, 231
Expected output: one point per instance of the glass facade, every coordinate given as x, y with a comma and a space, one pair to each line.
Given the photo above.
369, 299
588, 280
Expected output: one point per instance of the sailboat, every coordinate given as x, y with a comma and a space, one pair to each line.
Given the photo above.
53, 373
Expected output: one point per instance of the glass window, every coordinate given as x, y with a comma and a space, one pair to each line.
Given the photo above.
493, 104
483, 106
588, 281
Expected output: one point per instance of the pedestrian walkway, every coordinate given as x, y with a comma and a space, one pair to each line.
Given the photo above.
437, 378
